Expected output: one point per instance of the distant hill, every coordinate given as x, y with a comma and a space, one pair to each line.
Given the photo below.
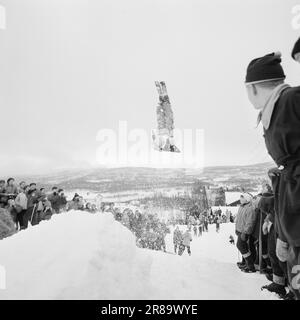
140, 178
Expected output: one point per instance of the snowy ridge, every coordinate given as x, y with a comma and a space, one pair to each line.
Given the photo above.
77, 255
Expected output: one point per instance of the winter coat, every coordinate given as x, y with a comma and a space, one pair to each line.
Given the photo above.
62, 202
265, 207
21, 200
187, 238
177, 236
246, 219
283, 144
55, 201
11, 190
33, 197
125, 220
75, 205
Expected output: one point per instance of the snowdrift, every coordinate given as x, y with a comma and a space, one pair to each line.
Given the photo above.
75, 255
7, 226
78, 255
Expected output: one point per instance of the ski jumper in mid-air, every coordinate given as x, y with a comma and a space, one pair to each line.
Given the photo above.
163, 138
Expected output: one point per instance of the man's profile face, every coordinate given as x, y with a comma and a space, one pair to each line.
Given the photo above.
297, 57
253, 96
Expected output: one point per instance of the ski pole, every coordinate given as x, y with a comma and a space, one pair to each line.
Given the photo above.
260, 243
32, 213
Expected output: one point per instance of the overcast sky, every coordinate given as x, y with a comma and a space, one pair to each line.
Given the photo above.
69, 68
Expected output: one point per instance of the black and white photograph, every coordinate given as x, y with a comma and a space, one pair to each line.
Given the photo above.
150, 151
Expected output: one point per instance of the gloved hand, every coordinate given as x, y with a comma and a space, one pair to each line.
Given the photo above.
244, 236
274, 172
265, 227
282, 250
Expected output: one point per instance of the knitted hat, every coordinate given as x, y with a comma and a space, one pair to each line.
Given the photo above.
247, 197
296, 48
265, 68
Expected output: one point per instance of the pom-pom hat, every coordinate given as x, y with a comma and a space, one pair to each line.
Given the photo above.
266, 68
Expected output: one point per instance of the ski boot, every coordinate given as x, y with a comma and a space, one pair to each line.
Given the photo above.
276, 288
249, 265
242, 266
249, 269
241, 263
269, 276
289, 296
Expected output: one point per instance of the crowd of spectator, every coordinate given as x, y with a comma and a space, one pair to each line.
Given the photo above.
256, 242
149, 231
26, 203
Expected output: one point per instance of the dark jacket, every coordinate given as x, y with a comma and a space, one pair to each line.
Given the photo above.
62, 202
265, 207
283, 143
33, 197
55, 202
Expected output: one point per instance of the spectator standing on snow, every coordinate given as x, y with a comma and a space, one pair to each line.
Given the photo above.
218, 222
47, 210
11, 208
186, 243
33, 198
125, 219
54, 199
9, 191
62, 203
205, 224
11, 188
262, 199
200, 227
266, 205
22, 186
177, 238
21, 206
245, 222
195, 230
161, 231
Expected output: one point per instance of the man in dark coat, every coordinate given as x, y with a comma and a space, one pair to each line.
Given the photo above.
55, 199
266, 207
33, 198
265, 203
279, 112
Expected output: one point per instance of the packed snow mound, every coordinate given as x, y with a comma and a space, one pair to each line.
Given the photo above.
78, 255
75, 255
7, 226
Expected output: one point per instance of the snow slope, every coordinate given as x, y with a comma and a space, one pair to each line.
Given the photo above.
77, 255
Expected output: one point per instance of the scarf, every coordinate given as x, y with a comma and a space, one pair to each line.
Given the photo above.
265, 115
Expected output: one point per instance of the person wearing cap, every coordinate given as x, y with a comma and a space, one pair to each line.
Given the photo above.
279, 112
54, 199
244, 227
296, 51
62, 200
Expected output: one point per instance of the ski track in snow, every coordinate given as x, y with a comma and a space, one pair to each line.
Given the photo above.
77, 255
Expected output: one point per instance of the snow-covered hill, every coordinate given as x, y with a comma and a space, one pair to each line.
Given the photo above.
78, 255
